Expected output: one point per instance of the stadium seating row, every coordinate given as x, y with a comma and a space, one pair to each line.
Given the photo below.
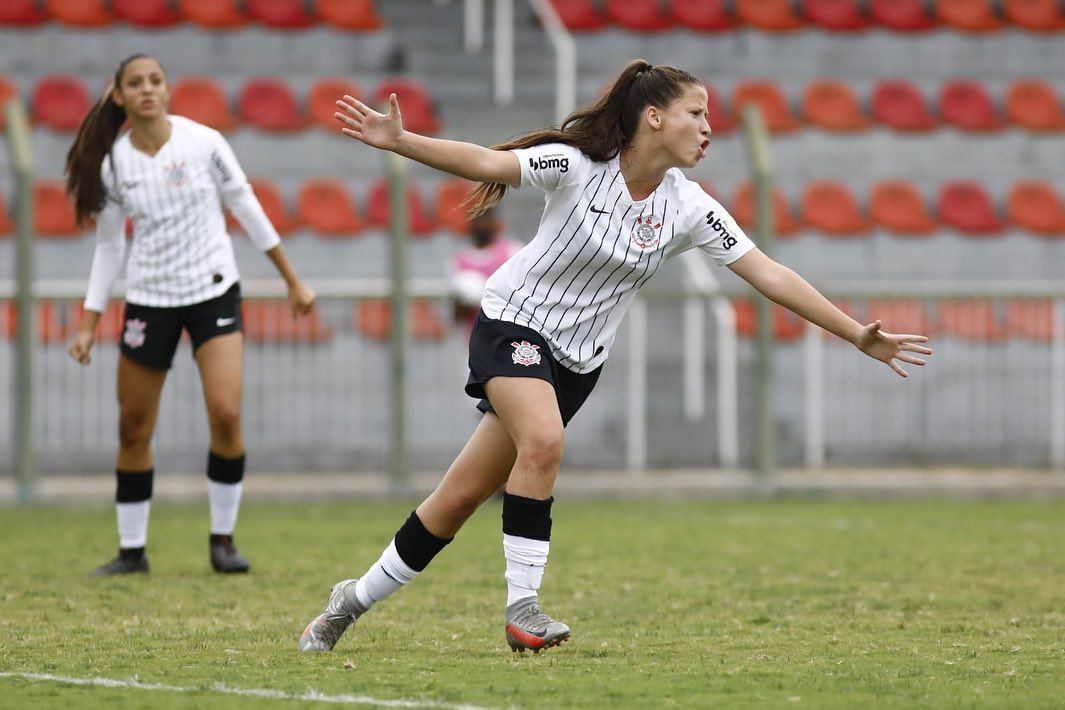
357, 15
325, 206
269, 104
832, 15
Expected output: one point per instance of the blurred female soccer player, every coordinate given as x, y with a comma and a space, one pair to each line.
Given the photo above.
617, 205
171, 176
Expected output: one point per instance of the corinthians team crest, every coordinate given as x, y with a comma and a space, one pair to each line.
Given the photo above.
525, 353
176, 172
134, 333
646, 231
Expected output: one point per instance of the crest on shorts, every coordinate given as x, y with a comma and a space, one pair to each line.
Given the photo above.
176, 173
646, 231
525, 353
133, 336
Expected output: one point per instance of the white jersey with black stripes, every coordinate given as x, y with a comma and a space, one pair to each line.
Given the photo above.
596, 246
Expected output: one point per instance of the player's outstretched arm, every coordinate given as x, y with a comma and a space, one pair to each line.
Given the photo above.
385, 131
782, 285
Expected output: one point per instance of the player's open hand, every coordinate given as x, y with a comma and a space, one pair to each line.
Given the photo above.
372, 128
82, 346
302, 299
892, 347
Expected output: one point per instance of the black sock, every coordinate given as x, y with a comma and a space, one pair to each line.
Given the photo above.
416, 545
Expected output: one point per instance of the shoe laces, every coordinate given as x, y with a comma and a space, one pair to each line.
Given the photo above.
533, 618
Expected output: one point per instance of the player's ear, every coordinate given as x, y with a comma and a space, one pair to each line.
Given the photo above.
653, 117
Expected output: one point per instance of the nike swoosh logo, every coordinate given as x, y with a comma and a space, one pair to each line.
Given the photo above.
223, 322
599, 211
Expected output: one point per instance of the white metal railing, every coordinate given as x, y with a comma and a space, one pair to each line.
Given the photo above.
565, 57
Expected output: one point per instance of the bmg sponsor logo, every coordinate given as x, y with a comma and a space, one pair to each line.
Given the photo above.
718, 225
550, 161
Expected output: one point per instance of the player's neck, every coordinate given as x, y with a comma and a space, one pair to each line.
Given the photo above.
150, 136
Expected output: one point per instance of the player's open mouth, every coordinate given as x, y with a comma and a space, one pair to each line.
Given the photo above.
702, 148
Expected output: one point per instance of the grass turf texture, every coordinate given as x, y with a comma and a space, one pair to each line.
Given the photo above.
695, 604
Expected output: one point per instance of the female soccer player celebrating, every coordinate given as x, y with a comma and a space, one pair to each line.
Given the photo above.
171, 176
617, 205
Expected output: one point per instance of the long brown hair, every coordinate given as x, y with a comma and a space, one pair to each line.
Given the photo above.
601, 130
94, 141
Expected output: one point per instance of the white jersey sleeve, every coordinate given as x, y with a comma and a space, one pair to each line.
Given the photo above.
549, 166
711, 227
110, 249
238, 196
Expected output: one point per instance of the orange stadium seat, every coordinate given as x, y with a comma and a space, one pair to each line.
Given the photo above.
899, 207
419, 113
787, 326
281, 14
53, 213
1036, 206
900, 105
452, 212
272, 321
322, 101
968, 15
703, 15
1030, 319
268, 104
146, 13
326, 207
359, 15
202, 99
22, 13
831, 105
971, 319
1035, 15
638, 15
968, 106
769, 15
830, 207
903, 315
60, 102
769, 98
743, 209
1033, 104
965, 206
419, 222
273, 205
373, 318
579, 15
720, 118
214, 14
902, 15
80, 13
836, 15
8, 90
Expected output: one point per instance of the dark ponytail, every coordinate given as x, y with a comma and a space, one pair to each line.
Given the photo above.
96, 136
601, 130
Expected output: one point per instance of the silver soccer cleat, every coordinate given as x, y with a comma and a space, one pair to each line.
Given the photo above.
529, 627
341, 611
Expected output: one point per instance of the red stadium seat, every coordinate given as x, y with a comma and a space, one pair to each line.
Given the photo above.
22, 13
322, 101
769, 15
966, 207
1033, 104
7, 227
831, 208
898, 206
452, 212
357, 15
900, 105
638, 15
202, 99
579, 15
770, 99
743, 209
1030, 319
902, 15
419, 223
974, 320
8, 90
373, 318
901, 316
214, 14
272, 321
787, 326
837, 15
703, 15
968, 15
273, 205
80, 13
967, 105
1035, 15
718, 115
415, 103
147, 13
1036, 206
268, 104
326, 207
832, 105
60, 102
53, 213
281, 14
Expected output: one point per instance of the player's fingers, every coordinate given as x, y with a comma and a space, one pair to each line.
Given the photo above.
897, 368
913, 360
347, 120
350, 132
353, 105
913, 348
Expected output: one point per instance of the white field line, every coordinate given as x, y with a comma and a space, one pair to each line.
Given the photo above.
310, 695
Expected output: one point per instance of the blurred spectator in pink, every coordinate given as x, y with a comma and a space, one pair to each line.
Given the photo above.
471, 267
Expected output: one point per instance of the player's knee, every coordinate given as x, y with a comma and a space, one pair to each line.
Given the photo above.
542, 451
134, 429
225, 419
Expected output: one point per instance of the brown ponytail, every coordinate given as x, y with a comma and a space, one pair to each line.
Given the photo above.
601, 130
96, 136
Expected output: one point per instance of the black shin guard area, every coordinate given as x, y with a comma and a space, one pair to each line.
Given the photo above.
133, 486
527, 517
416, 545
223, 470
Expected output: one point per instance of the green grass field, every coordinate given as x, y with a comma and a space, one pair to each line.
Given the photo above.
799, 603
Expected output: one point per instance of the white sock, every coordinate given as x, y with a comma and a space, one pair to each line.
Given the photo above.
384, 578
526, 559
133, 523
224, 499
